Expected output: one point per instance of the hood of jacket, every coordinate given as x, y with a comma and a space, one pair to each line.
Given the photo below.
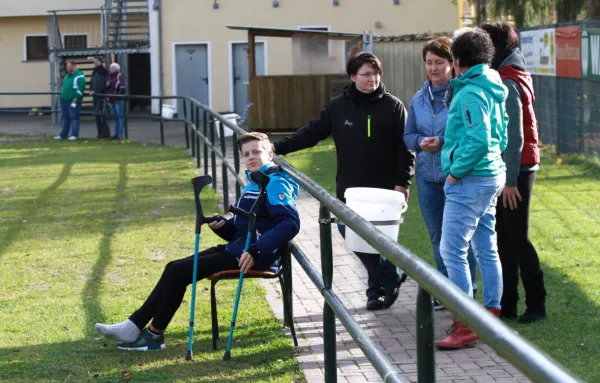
513, 67
485, 78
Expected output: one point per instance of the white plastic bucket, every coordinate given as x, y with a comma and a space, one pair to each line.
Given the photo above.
232, 117
168, 111
381, 207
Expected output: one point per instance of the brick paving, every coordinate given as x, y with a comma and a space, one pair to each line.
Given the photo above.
393, 330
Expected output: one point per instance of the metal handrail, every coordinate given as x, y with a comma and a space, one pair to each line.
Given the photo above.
534, 363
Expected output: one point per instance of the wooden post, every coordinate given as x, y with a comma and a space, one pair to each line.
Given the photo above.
251, 56
251, 75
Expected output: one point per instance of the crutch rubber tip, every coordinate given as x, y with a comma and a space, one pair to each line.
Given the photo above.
189, 355
227, 355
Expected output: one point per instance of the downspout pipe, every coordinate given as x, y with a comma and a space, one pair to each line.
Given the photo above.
158, 8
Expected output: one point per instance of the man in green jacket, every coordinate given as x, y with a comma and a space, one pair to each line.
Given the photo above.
71, 95
472, 162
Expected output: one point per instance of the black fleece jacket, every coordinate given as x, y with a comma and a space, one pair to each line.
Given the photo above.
367, 130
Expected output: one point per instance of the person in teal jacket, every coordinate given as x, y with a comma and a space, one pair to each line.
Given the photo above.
472, 162
71, 95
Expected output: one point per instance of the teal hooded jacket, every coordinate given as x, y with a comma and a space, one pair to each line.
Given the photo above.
476, 129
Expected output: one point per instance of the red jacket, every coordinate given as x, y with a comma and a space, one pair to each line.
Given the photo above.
531, 152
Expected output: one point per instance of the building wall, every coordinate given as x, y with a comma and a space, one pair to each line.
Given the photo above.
10, 8
196, 21
18, 75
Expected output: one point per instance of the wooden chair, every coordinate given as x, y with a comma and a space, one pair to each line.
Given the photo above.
285, 264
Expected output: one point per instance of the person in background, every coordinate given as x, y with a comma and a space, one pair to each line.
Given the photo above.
117, 84
472, 161
424, 134
522, 158
98, 86
367, 125
71, 95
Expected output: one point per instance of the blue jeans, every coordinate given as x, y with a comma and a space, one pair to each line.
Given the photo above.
470, 216
382, 274
70, 118
117, 109
432, 200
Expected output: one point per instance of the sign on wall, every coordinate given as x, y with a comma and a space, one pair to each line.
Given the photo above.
568, 52
539, 48
590, 54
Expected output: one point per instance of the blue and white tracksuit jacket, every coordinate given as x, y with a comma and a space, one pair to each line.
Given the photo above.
277, 219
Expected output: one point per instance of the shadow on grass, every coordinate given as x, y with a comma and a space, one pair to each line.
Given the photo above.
254, 359
33, 207
91, 291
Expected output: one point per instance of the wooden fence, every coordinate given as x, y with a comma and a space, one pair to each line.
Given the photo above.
403, 67
286, 103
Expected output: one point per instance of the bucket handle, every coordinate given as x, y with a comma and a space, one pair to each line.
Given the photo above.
404, 208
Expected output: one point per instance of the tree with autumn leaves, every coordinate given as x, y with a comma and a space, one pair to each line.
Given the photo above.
528, 12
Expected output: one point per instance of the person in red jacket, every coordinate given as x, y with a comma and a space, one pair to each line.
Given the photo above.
522, 158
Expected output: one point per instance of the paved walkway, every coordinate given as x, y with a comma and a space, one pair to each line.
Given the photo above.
393, 330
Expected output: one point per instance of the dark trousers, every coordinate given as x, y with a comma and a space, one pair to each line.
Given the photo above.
516, 250
168, 293
101, 124
382, 274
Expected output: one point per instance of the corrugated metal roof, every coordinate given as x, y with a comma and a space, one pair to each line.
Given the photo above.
270, 31
413, 37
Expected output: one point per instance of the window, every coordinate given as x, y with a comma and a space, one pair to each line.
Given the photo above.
75, 42
315, 47
36, 47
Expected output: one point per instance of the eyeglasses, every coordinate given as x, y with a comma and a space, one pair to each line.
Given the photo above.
368, 74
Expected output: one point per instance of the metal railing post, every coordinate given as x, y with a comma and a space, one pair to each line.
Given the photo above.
185, 124
162, 128
425, 337
194, 132
223, 167
286, 259
205, 130
126, 116
213, 156
328, 314
197, 123
236, 163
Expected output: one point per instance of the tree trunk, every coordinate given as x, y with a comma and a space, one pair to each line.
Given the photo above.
481, 12
593, 10
519, 16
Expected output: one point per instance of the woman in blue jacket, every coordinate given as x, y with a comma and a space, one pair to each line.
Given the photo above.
424, 133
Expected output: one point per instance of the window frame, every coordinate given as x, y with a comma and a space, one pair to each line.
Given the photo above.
25, 56
87, 40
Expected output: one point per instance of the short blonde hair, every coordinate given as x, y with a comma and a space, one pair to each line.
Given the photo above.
116, 66
262, 139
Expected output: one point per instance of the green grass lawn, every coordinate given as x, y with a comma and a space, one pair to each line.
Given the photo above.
565, 227
85, 231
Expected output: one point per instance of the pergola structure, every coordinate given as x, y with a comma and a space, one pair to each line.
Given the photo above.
253, 32
273, 110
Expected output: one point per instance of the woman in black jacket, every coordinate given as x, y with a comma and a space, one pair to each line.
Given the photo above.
367, 125
98, 86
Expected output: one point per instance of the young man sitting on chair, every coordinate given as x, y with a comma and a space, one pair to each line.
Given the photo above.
277, 222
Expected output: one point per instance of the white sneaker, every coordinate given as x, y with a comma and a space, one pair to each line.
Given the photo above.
58, 138
72, 138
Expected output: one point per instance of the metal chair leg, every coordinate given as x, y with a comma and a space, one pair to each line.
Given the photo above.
286, 309
213, 313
